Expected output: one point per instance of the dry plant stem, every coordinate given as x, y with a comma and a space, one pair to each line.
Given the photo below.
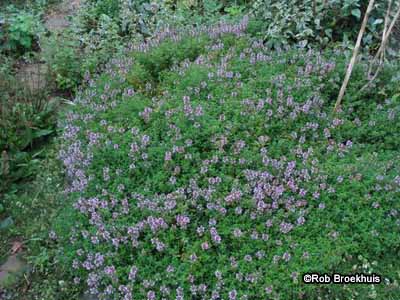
314, 8
381, 54
381, 51
381, 59
383, 38
387, 33
354, 57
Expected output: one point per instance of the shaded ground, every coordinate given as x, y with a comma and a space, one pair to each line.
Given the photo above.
34, 77
57, 19
11, 269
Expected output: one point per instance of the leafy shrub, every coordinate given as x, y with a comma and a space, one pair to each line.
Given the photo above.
206, 12
19, 31
105, 7
320, 21
205, 166
131, 17
102, 28
20, 4
73, 53
144, 17
31, 205
62, 54
26, 119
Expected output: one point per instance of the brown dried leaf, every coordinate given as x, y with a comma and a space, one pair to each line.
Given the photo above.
16, 247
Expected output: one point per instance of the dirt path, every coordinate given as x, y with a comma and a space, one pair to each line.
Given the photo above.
57, 19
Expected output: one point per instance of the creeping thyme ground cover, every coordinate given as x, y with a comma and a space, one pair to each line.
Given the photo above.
204, 166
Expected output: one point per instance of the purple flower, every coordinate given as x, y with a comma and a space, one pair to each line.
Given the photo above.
285, 227
232, 295
110, 271
205, 246
237, 232
151, 295
182, 221
133, 272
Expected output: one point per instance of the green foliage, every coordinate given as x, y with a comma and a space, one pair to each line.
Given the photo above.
62, 54
131, 17
27, 119
31, 4
20, 31
22, 124
101, 28
317, 21
104, 27
105, 7
75, 51
352, 228
149, 67
206, 12
33, 206
368, 234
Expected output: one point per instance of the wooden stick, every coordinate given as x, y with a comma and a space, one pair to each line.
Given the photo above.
386, 24
382, 48
354, 57
378, 56
388, 32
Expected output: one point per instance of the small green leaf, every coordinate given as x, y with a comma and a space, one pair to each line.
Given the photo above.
356, 12
328, 32
377, 21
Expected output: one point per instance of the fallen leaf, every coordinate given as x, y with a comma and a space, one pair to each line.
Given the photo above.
16, 247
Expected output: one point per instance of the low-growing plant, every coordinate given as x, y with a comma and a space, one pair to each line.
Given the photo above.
204, 165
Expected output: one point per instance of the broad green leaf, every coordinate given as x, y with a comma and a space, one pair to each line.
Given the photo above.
41, 133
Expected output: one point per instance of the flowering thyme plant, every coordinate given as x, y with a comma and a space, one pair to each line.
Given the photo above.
197, 169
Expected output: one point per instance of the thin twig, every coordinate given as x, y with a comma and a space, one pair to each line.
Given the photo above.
383, 37
354, 57
380, 56
388, 32
382, 48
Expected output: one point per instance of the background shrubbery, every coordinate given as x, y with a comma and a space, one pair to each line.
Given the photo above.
27, 113
105, 26
26, 120
20, 32
317, 21
21, 26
